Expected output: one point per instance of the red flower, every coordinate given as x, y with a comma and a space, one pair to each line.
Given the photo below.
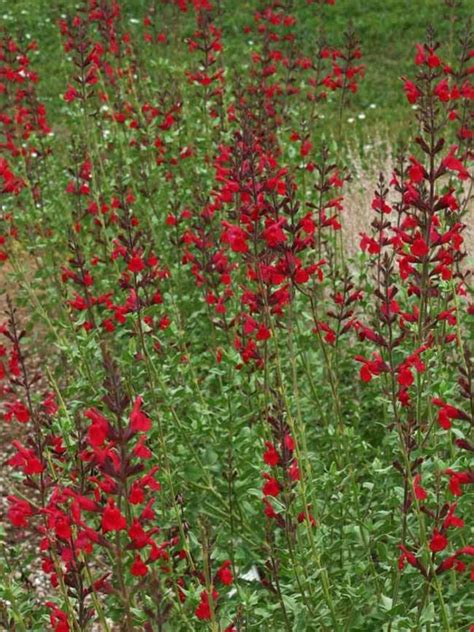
62, 527
136, 264
451, 520
263, 333
302, 517
418, 490
136, 495
98, 430
369, 368
419, 247
235, 237
294, 471
225, 574
442, 91
269, 511
71, 94
26, 460
364, 373
19, 511
412, 91
108, 325
306, 147
408, 556
141, 450
420, 56
438, 541
139, 422
405, 377
289, 442
453, 561
112, 518
271, 487
433, 60
138, 535
454, 164
78, 303
164, 323
58, 618
203, 611
271, 456
274, 235
446, 413
18, 410
379, 204
457, 479
416, 173
139, 568
49, 404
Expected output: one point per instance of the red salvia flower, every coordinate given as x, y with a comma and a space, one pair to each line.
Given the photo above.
419, 491
271, 456
136, 264
19, 511
112, 518
407, 556
203, 611
452, 520
138, 568
271, 487
17, 410
139, 422
438, 542
98, 431
225, 573
419, 248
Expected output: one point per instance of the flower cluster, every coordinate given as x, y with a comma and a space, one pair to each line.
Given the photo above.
416, 250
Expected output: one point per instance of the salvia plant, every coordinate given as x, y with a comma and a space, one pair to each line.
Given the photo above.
215, 414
